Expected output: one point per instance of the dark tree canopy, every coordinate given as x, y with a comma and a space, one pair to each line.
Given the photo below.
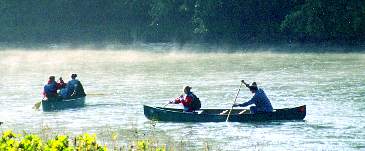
212, 21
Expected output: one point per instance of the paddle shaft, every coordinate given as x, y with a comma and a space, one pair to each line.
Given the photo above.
229, 113
166, 104
96, 94
245, 83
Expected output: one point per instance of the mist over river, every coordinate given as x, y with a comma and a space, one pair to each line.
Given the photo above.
120, 82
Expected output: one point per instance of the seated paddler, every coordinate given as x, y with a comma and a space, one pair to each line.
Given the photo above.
259, 99
74, 87
190, 102
50, 89
62, 86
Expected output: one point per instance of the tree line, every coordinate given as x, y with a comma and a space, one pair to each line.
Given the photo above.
212, 21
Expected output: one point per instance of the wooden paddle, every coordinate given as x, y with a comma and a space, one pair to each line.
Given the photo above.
95, 94
166, 104
37, 104
234, 102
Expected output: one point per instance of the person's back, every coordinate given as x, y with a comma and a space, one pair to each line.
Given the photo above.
195, 102
79, 89
262, 102
71, 86
50, 89
74, 87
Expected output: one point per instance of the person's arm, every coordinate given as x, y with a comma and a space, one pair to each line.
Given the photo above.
177, 100
253, 100
45, 91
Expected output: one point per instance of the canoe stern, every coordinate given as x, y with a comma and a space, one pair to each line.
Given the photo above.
55, 104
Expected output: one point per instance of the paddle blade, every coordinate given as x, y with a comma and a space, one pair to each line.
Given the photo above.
96, 94
37, 105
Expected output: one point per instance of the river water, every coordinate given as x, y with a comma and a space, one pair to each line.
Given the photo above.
120, 82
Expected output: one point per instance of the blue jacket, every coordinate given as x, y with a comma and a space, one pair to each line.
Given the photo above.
71, 85
63, 93
260, 100
50, 89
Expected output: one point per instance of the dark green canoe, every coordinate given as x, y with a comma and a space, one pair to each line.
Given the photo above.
220, 115
60, 104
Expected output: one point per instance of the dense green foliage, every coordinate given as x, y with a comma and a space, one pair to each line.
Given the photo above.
341, 20
10, 141
214, 21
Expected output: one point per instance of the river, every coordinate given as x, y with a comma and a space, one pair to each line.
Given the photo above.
120, 82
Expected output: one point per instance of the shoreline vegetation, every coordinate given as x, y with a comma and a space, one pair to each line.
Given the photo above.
223, 23
62, 142
131, 139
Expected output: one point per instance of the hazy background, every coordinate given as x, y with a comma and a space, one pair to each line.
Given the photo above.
99, 23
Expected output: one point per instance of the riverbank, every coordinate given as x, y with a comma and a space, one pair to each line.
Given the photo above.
31, 142
194, 47
47, 139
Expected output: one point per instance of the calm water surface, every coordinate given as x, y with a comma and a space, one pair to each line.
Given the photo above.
120, 82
